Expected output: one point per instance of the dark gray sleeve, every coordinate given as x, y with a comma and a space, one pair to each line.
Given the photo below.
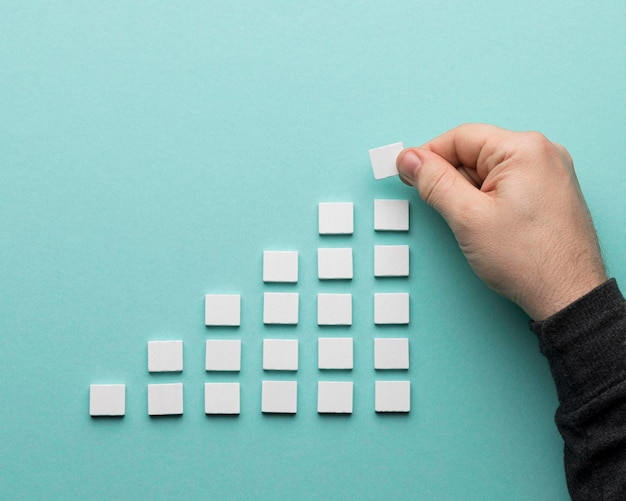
585, 345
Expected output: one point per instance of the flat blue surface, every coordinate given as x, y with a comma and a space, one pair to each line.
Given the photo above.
149, 153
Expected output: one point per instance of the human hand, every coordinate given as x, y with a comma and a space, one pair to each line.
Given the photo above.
514, 204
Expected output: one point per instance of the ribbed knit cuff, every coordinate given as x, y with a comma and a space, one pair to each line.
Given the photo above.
585, 344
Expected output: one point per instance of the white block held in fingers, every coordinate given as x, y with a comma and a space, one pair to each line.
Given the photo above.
391, 215
107, 399
165, 399
391, 353
334, 397
222, 309
279, 397
280, 266
335, 353
383, 160
392, 396
222, 398
336, 218
391, 260
280, 308
280, 354
334, 264
334, 309
392, 308
165, 356
223, 355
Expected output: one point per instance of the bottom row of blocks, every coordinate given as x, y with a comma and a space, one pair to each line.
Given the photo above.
278, 397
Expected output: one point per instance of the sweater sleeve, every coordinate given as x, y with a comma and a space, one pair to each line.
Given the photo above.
585, 345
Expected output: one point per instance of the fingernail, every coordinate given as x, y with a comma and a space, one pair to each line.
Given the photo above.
408, 164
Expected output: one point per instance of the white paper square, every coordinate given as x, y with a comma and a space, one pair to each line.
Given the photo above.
165, 356
393, 396
280, 308
221, 398
336, 218
223, 355
222, 309
391, 260
334, 309
280, 354
334, 397
107, 399
280, 266
391, 215
165, 399
383, 160
335, 353
392, 308
391, 353
334, 263
279, 397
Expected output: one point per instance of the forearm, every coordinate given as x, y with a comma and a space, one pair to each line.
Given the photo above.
585, 345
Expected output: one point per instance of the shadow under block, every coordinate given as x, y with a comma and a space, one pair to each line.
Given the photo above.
336, 218
391, 215
280, 354
222, 398
223, 355
391, 308
165, 399
280, 308
391, 260
334, 397
334, 263
280, 266
335, 353
222, 310
334, 309
165, 356
107, 400
392, 396
383, 160
279, 397
391, 353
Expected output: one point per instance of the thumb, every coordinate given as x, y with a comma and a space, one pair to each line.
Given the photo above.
438, 182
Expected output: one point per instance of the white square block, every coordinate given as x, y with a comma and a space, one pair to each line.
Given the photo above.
335, 353
336, 218
391, 215
221, 398
391, 353
222, 309
165, 399
279, 397
280, 308
223, 355
334, 264
334, 397
280, 354
391, 260
334, 309
280, 266
392, 396
383, 160
391, 308
107, 399
165, 356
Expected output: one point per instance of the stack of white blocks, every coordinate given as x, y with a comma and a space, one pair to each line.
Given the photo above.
281, 396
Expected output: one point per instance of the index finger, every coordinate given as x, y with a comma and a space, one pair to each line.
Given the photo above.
468, 145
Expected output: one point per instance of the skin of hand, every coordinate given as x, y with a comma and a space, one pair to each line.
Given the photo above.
515, 206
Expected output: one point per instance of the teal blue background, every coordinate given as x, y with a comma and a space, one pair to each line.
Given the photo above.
150, 152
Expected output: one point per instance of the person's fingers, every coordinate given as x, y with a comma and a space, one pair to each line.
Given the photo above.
472, 146
438, 182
